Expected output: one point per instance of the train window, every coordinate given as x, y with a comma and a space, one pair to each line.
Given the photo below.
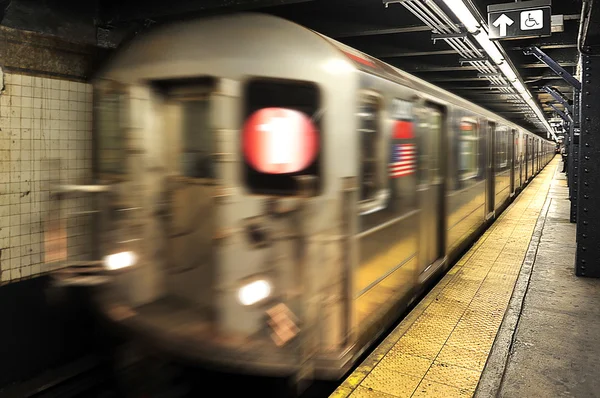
468, 150
501, 148
288, 113
196, 150
436, 125
370, 136
372, 165
109, 111
186, 115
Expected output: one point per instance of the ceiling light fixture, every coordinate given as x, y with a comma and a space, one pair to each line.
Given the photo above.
479, 32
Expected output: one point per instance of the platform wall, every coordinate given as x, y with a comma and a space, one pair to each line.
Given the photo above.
45, 137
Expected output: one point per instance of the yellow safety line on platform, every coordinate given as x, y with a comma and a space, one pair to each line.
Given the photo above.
440, 348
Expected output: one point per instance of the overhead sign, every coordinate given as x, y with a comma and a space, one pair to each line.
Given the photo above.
520, 20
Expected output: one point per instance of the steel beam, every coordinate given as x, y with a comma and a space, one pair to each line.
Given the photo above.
377, 32
587, 261
563, 115
555, 66
558, 97
400, 53
426, 68
573, 166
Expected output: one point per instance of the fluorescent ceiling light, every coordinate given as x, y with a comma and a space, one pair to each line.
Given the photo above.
490, 48
463, 14
478, 30
508, 72
519, 87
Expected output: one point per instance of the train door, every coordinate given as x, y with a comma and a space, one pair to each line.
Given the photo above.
537, 156
519, 152
432, 188
533, 157
512, 162
491, 184
527, 157
188, 216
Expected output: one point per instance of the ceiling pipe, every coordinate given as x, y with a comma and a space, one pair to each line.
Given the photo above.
478, 30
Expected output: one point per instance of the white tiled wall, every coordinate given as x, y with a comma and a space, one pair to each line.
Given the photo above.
46, 134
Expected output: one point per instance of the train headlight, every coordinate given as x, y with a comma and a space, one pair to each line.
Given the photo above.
254, 292
119, 260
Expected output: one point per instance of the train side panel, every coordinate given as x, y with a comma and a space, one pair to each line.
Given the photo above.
466, 176
502, 166
388, 211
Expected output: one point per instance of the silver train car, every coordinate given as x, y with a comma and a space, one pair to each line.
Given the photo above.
270, 198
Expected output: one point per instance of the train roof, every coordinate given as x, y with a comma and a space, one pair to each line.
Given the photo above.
253, 43
236, 46
373, 65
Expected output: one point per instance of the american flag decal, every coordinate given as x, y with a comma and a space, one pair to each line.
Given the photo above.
403, 160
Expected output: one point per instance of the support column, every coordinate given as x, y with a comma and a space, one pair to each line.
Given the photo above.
573, 158
587, 262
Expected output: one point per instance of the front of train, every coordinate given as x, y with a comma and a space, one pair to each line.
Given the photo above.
225, 197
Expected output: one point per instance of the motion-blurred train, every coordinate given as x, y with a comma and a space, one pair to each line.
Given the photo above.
270, 199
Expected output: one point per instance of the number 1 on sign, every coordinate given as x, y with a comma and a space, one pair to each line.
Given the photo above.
280, 140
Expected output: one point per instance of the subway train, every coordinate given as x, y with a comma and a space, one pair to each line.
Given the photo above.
270, 200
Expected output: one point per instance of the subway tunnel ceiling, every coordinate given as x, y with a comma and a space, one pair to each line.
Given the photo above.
392, 34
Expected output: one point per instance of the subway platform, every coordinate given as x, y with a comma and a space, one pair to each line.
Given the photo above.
510, 319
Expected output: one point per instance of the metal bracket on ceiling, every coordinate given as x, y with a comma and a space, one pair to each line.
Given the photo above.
453, 34
486, 75
558, 97
479, 59
552, 64
445, 36
386, 3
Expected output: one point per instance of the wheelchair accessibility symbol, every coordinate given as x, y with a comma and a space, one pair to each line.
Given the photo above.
532, 20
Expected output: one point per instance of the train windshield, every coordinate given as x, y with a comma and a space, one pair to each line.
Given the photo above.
196, 148
281, 136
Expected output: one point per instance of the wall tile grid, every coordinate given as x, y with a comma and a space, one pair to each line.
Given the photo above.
45, 137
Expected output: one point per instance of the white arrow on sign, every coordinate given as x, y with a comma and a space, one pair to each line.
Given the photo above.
503, 22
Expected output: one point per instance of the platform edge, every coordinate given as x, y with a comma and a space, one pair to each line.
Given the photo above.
492, 376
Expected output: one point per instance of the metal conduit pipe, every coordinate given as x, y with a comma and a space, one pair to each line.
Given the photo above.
428, 12
434, 22
417, 12
467, 53
464, 48
483, 68
474, 48
443, 15
460, 47
455, 47
414, 8
438, 21
437, 16
488, 69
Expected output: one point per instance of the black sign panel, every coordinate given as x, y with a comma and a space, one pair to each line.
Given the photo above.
520, 20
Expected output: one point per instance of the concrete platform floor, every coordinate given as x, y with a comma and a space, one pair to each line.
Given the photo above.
549, 342
441, 347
